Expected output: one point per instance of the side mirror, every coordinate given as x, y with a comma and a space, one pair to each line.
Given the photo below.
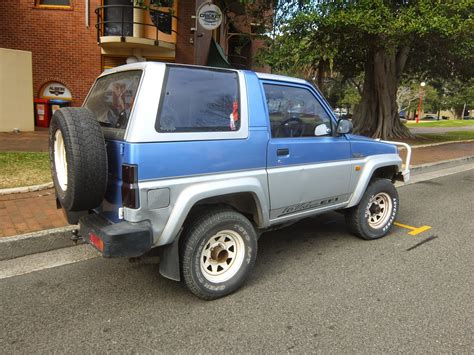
343, 126
322, 130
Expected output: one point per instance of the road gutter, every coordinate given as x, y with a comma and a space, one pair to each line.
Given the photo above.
36, 242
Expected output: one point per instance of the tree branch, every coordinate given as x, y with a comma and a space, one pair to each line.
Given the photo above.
402, 56
357, 85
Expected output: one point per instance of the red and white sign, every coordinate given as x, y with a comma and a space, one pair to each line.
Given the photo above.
55, 90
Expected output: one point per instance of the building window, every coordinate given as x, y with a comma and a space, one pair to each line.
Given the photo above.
53, 3
118, 18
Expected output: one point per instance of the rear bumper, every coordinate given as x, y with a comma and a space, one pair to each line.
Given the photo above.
115, 240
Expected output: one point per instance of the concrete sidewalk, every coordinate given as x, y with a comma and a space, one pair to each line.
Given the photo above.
36, 141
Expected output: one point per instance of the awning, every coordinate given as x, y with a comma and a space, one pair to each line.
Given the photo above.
216, 56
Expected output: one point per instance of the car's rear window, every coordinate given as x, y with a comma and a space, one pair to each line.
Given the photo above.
199, 100
111, 100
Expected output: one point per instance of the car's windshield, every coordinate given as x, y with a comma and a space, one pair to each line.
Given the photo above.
111, 100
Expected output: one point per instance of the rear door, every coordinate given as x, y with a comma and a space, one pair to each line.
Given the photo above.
305, 172
111, 99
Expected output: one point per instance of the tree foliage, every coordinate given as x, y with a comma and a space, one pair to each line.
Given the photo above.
386, 40
458, 96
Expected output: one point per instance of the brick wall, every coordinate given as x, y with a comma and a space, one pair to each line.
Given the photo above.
185, 49
63, 48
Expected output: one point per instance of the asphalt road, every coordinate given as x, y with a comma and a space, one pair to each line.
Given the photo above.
315, 288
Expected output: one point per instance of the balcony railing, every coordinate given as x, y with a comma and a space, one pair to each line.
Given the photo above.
121, 21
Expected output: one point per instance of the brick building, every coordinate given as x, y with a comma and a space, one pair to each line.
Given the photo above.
73, 41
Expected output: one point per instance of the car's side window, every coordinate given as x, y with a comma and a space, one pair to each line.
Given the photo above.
199, 100
294, 111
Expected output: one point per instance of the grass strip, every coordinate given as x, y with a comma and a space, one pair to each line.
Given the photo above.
24, 169
448, 136
442, 123
429, 138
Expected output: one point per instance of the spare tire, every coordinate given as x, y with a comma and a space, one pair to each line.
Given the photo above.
78, 159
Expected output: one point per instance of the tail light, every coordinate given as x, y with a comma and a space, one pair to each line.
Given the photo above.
130, 196
96, 241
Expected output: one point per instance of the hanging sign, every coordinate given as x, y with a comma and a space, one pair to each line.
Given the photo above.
209, 16
55, 90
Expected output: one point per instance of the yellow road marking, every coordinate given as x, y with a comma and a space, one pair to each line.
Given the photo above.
414, 230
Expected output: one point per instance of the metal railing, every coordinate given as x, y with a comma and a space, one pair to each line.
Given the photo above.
109, 24
406, 171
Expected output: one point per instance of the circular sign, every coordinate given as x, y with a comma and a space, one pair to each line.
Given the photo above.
55, 90
209, 16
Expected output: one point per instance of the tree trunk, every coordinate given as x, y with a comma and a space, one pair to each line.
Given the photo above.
320, 75
377, 115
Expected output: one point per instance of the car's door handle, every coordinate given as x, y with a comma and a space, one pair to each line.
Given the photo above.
283, 151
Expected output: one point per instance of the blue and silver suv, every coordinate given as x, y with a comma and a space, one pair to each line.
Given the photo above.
199, 161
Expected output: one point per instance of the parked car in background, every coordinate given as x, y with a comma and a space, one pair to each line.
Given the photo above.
430, 118
468, 118
402, 117
339, 112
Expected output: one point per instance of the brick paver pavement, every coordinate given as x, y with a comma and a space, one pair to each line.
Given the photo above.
437, 153
29, 212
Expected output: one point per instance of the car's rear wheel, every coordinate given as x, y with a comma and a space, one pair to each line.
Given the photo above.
217, 253
373, 217
78, 159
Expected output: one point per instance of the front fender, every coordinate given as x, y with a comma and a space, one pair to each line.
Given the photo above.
370, 164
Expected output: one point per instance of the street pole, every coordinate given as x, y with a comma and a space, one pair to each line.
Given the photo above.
422, 85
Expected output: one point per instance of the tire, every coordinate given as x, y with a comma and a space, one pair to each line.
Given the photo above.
373, 217
78, 159
217, 253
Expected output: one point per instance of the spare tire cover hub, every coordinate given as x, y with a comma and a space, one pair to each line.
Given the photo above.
60, 160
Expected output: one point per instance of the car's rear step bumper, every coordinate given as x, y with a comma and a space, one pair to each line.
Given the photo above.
115, 240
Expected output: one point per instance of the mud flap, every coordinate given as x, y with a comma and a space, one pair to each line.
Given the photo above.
169, 260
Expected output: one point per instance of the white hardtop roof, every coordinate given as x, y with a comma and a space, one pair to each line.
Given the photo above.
275, 77
133, 66
144, 65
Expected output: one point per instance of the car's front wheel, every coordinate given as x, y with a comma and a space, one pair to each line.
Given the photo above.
373, 217
218, 252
